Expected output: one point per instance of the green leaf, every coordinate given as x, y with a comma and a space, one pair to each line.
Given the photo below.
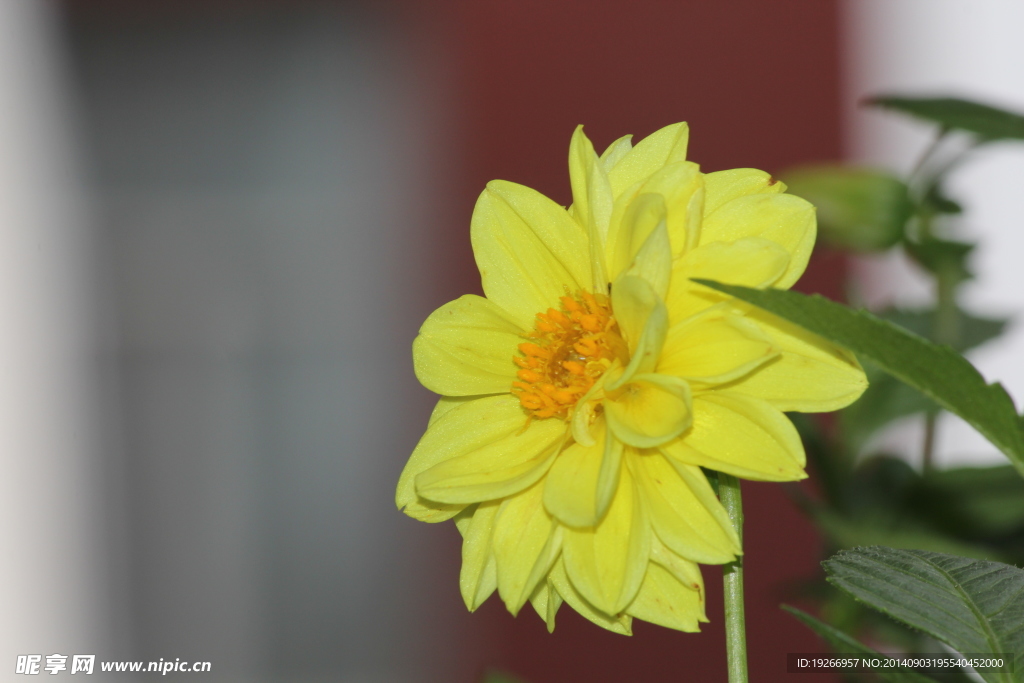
942, 256
879, 489
990, 123
967, 511
898, 533
882, 505
831, 465
974, 501
936, 371
845, 645
858, 209
936, 200
973, 606
974, 330
886, 399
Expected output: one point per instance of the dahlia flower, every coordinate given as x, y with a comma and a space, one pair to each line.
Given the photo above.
582, 397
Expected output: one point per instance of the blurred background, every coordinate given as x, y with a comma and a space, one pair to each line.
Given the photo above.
222, 223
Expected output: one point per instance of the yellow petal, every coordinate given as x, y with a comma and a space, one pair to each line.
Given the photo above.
685, 513
570, 487
496, 469
584, 414
743, 436
625, 212
591, 193
581, 157
682, 186
583, 479
811, 375
685, 571
464, 518
592, 201
430, 511
608, 477
526, 542
546, 601
457, 426
643, 320
448, 403
657, 150
641, 217
722, 187
478, 577
751, 262
715, 346
782, 218
649, 410
674, 195
465, 348
616, 151
665, 601
617, 623
653, 261
528, 250
607, 563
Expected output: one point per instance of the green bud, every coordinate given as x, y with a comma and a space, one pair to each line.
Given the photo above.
858, 209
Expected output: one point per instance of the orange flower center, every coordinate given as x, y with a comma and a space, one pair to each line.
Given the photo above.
571, 348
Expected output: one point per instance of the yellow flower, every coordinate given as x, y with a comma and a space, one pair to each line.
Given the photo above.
582, 396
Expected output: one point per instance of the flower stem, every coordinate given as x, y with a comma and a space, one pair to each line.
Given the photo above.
732, 575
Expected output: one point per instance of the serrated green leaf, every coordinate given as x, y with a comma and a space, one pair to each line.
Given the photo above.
843, 644
936, 371
846, 614
983, 120
974, 606
858, 209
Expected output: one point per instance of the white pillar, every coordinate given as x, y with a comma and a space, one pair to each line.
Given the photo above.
971, 49
49, 582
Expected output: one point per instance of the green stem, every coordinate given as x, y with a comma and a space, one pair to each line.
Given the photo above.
945, 330
946, 323
732, 585
928, 448
947, 318
926, 156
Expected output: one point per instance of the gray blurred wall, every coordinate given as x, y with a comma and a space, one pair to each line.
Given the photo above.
262, 179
